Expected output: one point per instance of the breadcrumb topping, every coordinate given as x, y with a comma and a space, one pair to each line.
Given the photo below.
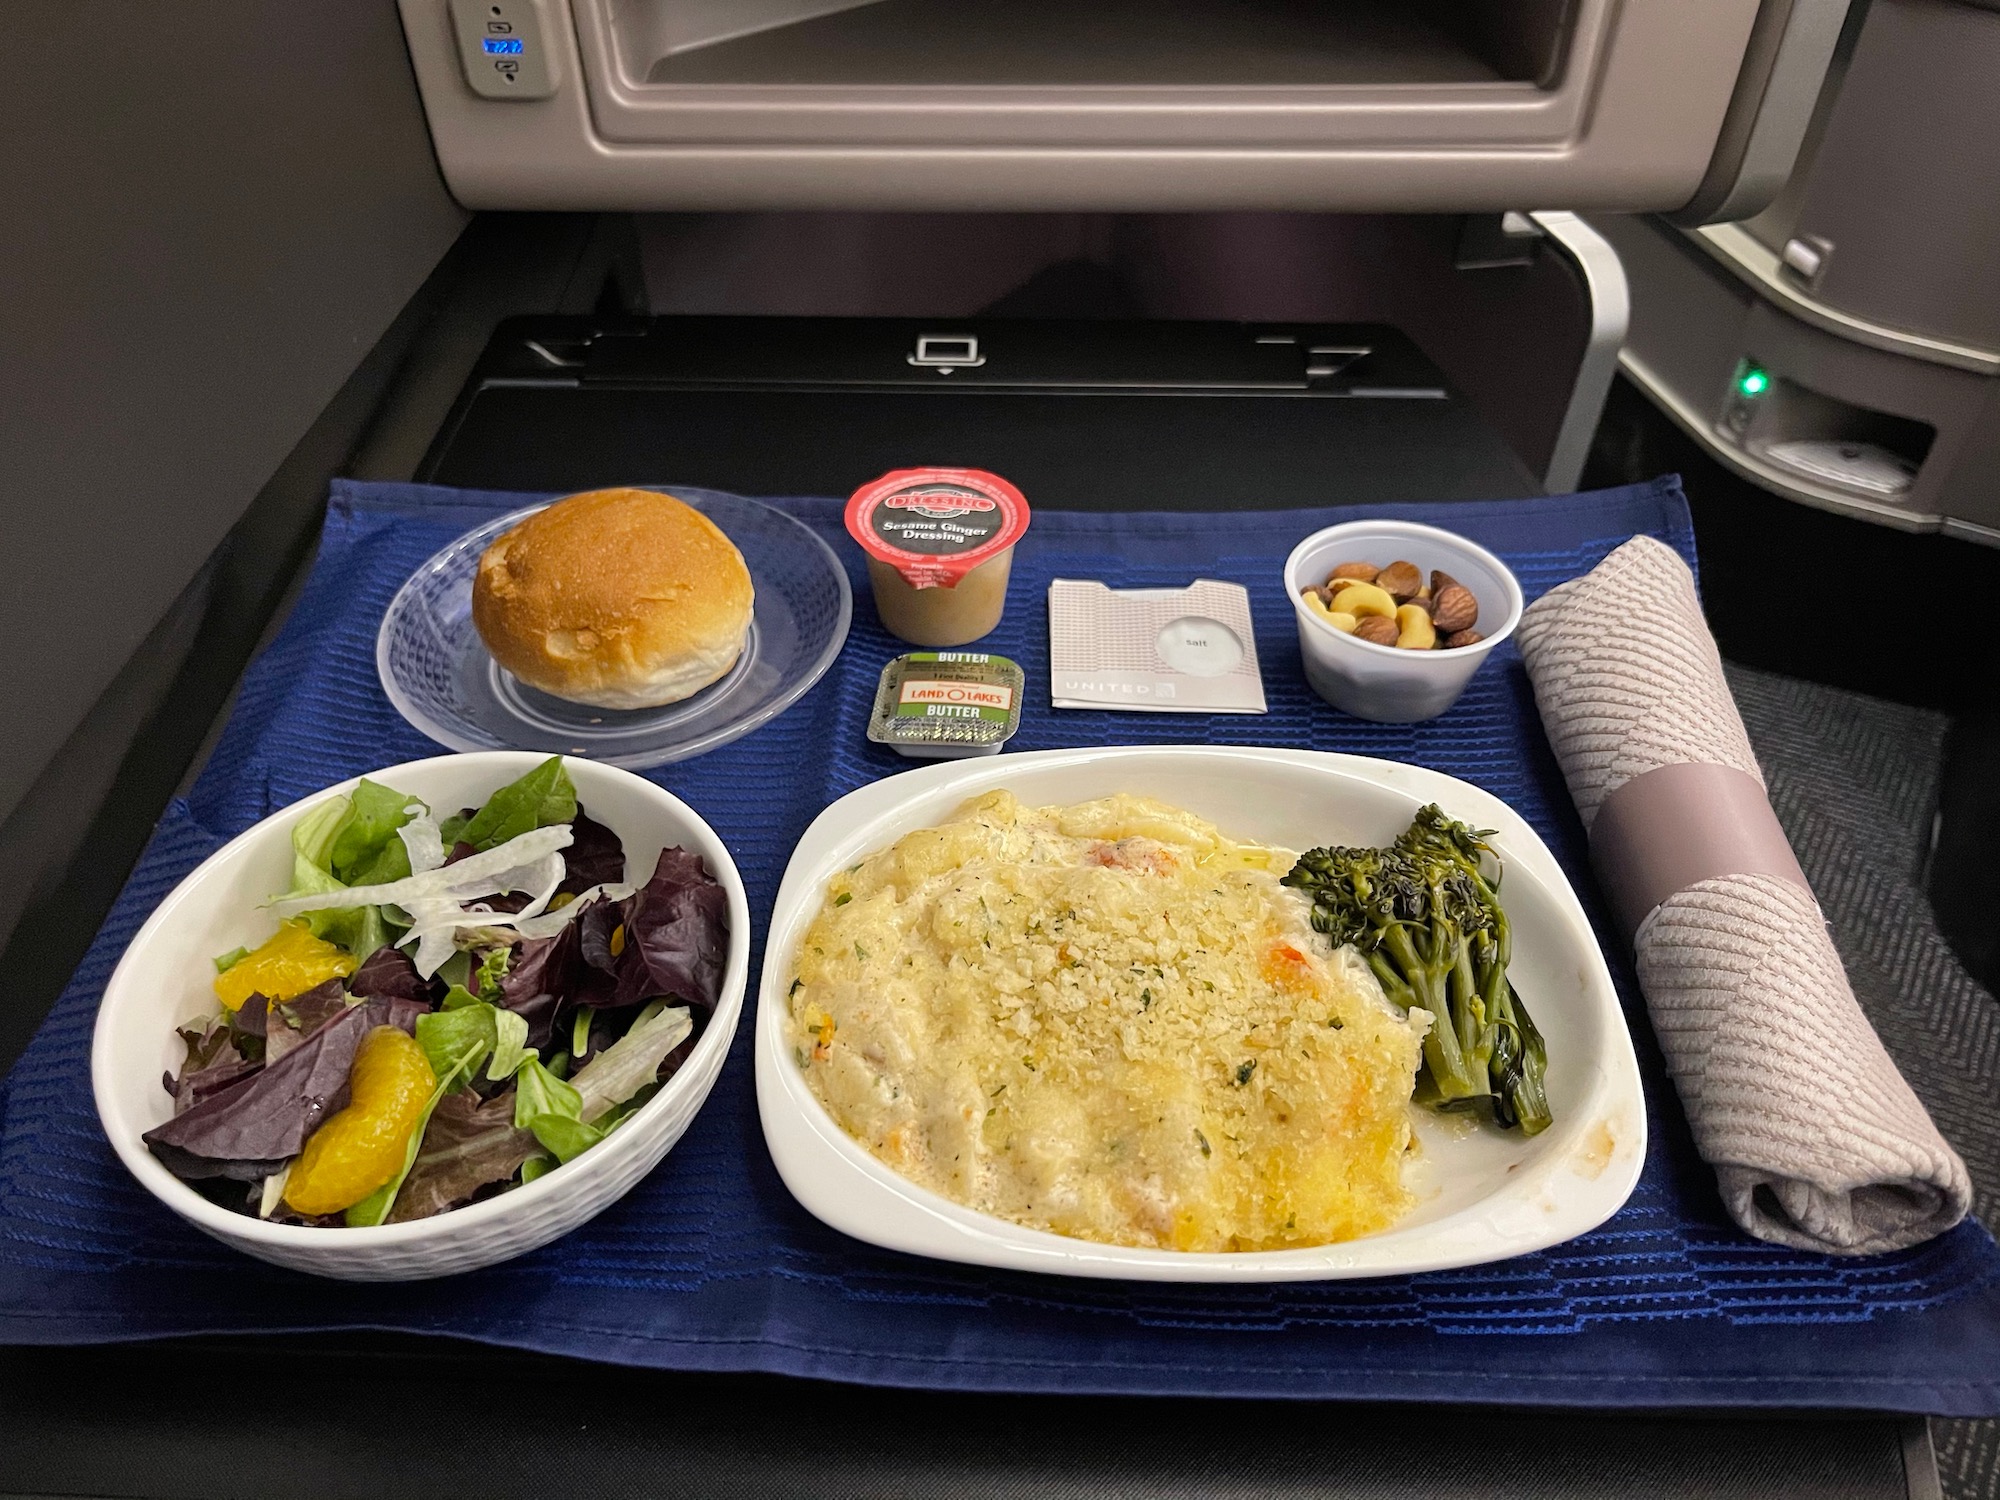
1109, 1021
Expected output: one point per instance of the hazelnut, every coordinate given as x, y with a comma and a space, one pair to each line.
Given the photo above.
1461, 638
1381, 629
1353, 572
1401, 580
1455, 608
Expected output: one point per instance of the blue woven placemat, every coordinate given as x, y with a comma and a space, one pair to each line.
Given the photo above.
709, 1264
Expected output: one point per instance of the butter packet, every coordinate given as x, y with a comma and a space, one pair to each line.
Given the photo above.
944, 705
1165, 651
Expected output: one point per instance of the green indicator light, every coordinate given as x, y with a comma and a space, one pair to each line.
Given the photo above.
1753, 382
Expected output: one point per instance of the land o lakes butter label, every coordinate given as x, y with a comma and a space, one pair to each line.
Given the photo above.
944, 704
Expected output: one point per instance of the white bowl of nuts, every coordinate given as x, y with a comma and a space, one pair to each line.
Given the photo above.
1395, 617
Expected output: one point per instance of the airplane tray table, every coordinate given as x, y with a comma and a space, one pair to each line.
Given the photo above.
709, 1265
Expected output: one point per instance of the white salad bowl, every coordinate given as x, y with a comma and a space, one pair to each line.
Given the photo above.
1387, 683
1483, 1194
164, 981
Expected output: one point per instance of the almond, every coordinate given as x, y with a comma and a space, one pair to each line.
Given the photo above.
1377, 628
1455, 609
1461, 638
1401, 579
1440, 581
1356, 572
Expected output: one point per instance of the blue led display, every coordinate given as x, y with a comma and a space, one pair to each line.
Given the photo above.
498, 46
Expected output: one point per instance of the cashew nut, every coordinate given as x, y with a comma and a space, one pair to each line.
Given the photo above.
1361, 599
1415, 631
1339, 620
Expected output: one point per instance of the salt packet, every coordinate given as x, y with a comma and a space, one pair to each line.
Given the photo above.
1189, 650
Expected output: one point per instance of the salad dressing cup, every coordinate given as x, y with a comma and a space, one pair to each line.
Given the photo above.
940, 547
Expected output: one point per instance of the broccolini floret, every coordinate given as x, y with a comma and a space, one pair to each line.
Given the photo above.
1430, 924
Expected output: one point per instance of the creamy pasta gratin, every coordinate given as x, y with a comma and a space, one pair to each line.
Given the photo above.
1109, 1021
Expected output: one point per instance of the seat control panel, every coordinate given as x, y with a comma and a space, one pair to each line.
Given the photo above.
502, 48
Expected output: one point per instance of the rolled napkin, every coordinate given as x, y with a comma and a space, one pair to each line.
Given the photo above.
1816, 1140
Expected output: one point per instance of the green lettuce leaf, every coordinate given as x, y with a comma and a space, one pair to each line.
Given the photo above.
538, 1093
510, 1044
542, 797
391, 863
472, 1028
312, 840
492, 969
609, 1089
565, 1138
463, 1032
551, 1109
315, 845
633, 1061
618, 1114
457, 970
358, 929
366, 837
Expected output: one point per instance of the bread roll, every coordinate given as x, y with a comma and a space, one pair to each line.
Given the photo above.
617, 598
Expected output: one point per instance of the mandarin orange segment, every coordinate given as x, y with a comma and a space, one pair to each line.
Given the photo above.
290, 963
363, 1146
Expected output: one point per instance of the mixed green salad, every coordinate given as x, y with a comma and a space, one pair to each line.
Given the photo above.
447, 1010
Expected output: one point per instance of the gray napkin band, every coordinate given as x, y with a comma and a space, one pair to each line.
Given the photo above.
1670, 827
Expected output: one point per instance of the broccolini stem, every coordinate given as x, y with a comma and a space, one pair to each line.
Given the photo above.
1475, 1035
1391, 982
1442, 1053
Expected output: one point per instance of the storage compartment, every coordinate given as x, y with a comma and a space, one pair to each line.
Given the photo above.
1819, 439
1106, 42
1111, 105
1751, 370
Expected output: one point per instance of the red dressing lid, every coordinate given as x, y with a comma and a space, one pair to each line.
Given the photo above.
936, 525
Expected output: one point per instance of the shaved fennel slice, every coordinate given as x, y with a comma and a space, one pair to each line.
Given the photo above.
436, 920
274, 1190
548, 924
529, 922
485, 874
433, 935
422, 840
